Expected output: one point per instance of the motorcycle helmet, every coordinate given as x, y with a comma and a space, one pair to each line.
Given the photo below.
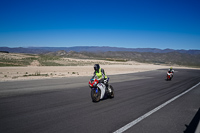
96, 67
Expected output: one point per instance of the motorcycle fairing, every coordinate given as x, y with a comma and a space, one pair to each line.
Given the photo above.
102, 88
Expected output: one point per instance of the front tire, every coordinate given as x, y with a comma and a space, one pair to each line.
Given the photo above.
168, 78
95, 95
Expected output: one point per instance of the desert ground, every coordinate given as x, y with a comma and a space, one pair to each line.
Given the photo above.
34, 71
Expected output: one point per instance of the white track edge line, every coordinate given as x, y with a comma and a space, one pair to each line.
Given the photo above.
129, 125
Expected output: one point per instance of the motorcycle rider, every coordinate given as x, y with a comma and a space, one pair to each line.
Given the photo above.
171, 71
100, 73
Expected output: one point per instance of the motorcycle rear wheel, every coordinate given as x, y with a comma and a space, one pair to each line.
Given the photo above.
112, 91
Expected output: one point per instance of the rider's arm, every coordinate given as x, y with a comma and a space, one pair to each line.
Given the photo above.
103, 73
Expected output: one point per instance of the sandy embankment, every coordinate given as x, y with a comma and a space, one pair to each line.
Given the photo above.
18, 73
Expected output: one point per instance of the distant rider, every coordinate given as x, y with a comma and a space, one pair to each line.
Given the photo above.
100, 73
171, 71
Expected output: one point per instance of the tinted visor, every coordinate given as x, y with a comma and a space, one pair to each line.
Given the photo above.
95, 68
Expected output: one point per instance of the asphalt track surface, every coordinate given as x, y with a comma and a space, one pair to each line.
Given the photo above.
64, 105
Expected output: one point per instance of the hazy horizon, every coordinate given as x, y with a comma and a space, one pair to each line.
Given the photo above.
94, 46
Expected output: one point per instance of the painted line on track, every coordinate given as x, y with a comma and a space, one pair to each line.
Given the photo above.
129, 125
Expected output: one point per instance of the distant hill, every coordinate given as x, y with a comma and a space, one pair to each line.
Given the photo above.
40, 50
171, 58
48, 55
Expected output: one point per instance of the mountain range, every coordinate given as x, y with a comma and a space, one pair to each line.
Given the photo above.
40, 50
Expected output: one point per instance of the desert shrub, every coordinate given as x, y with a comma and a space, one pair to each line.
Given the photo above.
73, 72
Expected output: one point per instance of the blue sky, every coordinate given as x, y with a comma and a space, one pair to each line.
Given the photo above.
160, 24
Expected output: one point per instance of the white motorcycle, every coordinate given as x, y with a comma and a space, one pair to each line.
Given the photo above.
99, 90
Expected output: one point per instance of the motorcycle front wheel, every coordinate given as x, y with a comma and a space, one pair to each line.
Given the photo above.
95, 95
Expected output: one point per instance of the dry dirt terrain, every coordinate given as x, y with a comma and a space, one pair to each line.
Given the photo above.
72, 67
38, 72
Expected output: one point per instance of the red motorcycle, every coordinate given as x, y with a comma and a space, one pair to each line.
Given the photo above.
170, 75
